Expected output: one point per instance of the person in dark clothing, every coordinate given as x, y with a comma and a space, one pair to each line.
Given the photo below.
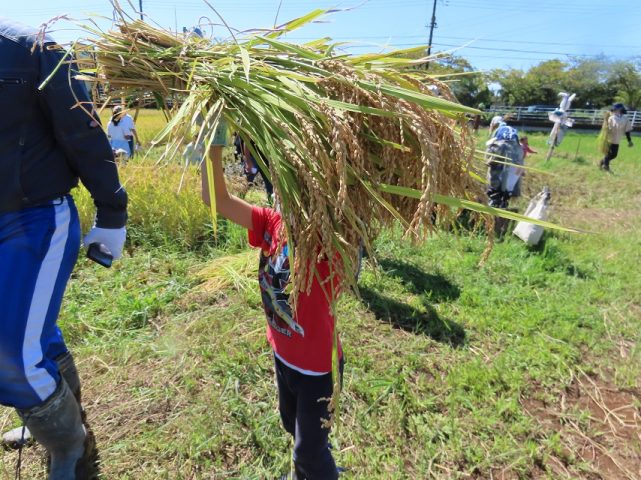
503, 176
252, 167
238, 148
49, 142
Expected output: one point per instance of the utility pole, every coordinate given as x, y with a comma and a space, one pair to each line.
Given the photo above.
140, 4
432, 27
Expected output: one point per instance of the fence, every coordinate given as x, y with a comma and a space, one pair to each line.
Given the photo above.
582, 117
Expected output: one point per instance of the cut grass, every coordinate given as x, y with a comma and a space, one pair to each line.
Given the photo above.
454, 370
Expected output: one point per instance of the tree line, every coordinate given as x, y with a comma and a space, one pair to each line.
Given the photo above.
598, 82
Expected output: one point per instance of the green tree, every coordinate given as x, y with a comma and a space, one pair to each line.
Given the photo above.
539, 85
597, 82
473, 90
589, 79
625, 77
469, 86
513, 87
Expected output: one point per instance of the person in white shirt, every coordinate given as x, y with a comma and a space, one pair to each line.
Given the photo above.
618, 125
132, 135
118, 131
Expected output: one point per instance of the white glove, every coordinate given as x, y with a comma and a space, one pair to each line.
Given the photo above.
112, 238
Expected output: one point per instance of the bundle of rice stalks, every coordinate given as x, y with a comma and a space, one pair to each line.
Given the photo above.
602, 140
351, 143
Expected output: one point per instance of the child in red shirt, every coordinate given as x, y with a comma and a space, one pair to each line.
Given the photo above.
301, 340
526, 147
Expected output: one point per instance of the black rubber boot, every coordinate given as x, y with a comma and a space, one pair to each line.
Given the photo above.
68, 371
21, 436
88, 466
57, 425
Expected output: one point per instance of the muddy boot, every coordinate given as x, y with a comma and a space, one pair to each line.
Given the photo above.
57, 425
68, 371
21, 436
88, 467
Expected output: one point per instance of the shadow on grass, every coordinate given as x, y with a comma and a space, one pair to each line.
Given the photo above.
436, 287
554, 260
401, 315
581, 160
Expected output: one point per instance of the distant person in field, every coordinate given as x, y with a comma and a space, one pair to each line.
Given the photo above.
118, 130
253, 168
503, 175
494, 124
617, 126
48, 146
301, 337
238, 148
525, 147
131, 133
476, 123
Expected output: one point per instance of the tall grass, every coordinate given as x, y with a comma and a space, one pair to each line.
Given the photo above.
160, 214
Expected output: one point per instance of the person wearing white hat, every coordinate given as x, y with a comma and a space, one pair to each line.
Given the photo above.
118, 131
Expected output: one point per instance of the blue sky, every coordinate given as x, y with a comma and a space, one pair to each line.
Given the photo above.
491, 34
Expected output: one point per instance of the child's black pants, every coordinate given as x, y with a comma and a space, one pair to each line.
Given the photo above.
301, 411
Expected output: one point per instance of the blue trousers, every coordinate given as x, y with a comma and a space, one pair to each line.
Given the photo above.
301, 413
38, 249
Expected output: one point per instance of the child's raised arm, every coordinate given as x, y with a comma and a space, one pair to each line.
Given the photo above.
229, 206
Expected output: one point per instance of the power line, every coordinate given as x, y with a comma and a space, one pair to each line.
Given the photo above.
528, 42
558, 8
516, 50
470, 39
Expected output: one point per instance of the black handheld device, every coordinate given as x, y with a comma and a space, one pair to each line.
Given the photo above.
100, 254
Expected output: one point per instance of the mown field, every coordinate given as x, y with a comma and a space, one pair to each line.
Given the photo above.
525, 366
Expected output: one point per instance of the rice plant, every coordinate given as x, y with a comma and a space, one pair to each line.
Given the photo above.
351, 143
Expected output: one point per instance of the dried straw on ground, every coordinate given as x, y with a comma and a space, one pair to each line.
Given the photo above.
353, 143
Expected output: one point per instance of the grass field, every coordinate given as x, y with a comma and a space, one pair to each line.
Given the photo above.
528, 366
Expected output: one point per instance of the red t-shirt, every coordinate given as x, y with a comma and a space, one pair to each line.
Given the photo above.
303, 340
526, 149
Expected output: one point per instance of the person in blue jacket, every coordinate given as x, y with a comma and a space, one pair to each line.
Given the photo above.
504, 156
50, 138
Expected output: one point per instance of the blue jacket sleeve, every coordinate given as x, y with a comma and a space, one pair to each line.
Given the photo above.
79, 134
